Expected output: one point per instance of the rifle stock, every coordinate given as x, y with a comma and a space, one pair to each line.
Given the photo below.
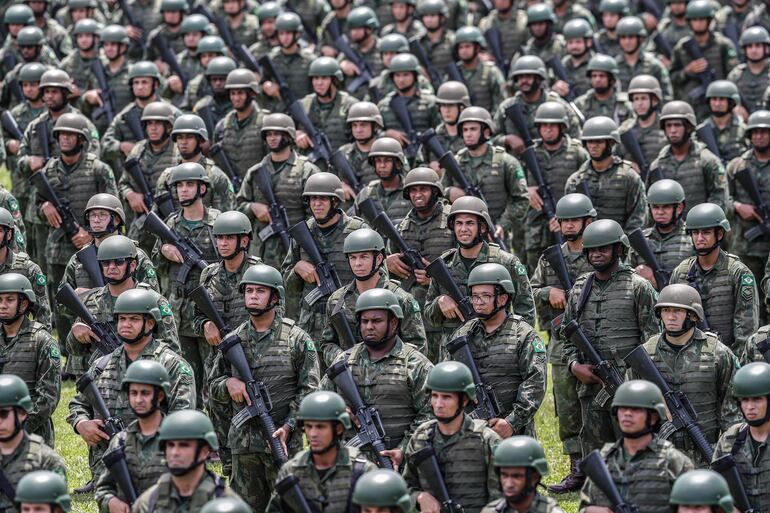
427, 464
748, 181
87, 257
487, 406
11, 126
325, 269
640, 244
603, 369
192, 256
279, 219
108, 339
86, 385
439, 271
115, 461
596, 469
729, 470
291, 494
202, 299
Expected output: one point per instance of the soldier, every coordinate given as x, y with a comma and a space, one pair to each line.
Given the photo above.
172, 14
646, 97
31, 48
719, 54
521, 465
508, 352
42, 489
579, 46
387, 159
544, 41
77, 64
604, 98
642, 465
724, 120
213, 106
634, 61
209, 48
390, 375
484, 80
472, 483
147, 14
288, 173
328, 226
364, 124
404, 20
137, 316
243, 25
15, 18
751, 387
438, 38
701, 489
452, 98
616, 315
668, 238
290, 60
574, 212
192, 222
382, 490
327, 106
365, 251
559, 156
327, 469
239, 133
753, 76
687, 160
510, 20
283, 357
611, 11
726, 285
267, 36
615, 188
694, 363
672, 28
389, 46
361, 26
187, 440
147, 386
194, 27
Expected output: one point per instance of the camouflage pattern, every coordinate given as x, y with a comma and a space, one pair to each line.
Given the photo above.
20, 262
760, 248
512, 27
422, 107
293, 68
79, 68
505, 125
242, 140
617, 106
651, 139
219, 195
174, 38
752, 87
540, 504
330, 117
669, 248
750, 352
359, 161
555, 46
647, 64
392, 202
441, 52
31, 454
753, 468
486, 84
170, 501
23, 114
577, 72
47, 57
76, 275
730, 139
119, 131
608, 43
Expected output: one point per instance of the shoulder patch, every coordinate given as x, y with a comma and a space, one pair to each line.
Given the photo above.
54, 352
230, 186
309, 345
520, 269
747, 279
19, 238
165, 311
519, 173
415, 306
538, 346
150, 273
13, 205
40, 280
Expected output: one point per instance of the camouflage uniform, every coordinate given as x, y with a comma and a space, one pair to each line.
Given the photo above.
730, 139
294, 69
440, 53
120, 131
669, 248
651, 139
330, 117
466, 460
79, 68
574, 10
577, 72
541, 504
392, 202
284, 358
31, 454
617, 106
175, 40
9, 202
56, 36
147, 14
33, 355
752, 87
422, 107
47, 57
20, 262
486, 84
751, 460
555, 46
359, 161
288, 179
609, 45
505, 125
617, 193
617, 316
758, 15
168, 500
647, 64
513, 29
76, 275
219, 195
242, 140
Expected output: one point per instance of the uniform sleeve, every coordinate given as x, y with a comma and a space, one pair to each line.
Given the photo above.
532, 365
678, 61
245, 195
523, 303
492, 440
571, 353
224, 192
412, 328
636, 204
746, 309
167, 330
646, 297
182, 396
48, 381
433, 314
540, 291
112, 139
329, 346
217, 379
419, 367
39, 281
106, 179
518, 204
411, 474
307, 368
292, 282
79, 410
729, 413
716, 183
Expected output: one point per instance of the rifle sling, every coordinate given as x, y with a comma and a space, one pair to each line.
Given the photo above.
358, 470
583, 298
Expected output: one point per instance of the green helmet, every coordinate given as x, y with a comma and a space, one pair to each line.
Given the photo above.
262, 274
701, 488
677, 109
325, 67
752, 380
387, 147
638, 393
404, 62
242, 78
422, 176
188, 425
147, 372
665, 192
723, 89
451, 377
707, 215
14, 392
104, 201
577, 28
324, 184
15, 282
173, 5
363, 17
117, 246
87, 26
469, 34
631, 26
143, 69
540, 12
600, 128
616, 6
31, 72
521, 451
603, 232
755, 34
115, 34
425, 7
159, 111
6, 218
226, 505
137, 301
211, 44
43, 487
452, 93
679, 295
232, 222
189, 171
382, 488
758, 119
700, 9
529, 65
491, 274
396, 43
72, 122
190, 124
551, 112
19, 14
363, 239
268, 10
323, 405
56, 78
574, 206
365, 111
278, 122
30, 36
645, 84
220, 67
379, 299
195, 23
470, 205
81, 4
288, 22
477, 114
605, 63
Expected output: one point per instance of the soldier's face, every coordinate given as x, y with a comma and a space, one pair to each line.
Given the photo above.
485, 300
239, 98
361, 263
399, 10
632, 420
678, 8
420, 195
538, 29
217, 83
675, 131
694, 509
85, 41
755, 51
526, 83
28, 507
601, 256
116, 269
181, 453
273, 139
142, 86
362, 130
206, 57
286, 39
8, 422
449, 112
131, 325
719, 105
376, 324
9, 304
550, 132
699, 25
663, 214
673, 318
600, 80
445, 404
322, 86
760, 137
431, 21
628, 44
754, 408
642, 103
111, 50
704, 238
513, 480
13, 29
37, 7
172, 18
471, 132
571, 227
257, 296
466, 227
53, 97
403, 80
576, 46
67, 141
357, 34
191, 40
29, 53
99, 219
320, 206
466, 51
596, 148
140, 397
268, 27
232, 6
155, 130
31, 90
186, 143
387, 57
226, 244
187, 189
320, 434
383, 166
610, 19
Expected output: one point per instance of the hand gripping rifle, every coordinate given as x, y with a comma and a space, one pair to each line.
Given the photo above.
427, 464
68, 222
640, 244
115, 461
603, 369
325, 269
192, 256
164, 202
108, 339
203, 301
86, 385
439, 271
748, 181
279, 219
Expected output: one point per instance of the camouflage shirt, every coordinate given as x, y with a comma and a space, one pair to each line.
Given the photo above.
30, 455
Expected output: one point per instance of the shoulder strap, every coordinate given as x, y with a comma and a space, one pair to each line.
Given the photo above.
358, 470
583, 298
153, 501
740, 440
219, 485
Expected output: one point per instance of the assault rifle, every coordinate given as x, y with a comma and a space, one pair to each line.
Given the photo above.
487, 406
292, 495
87, 258
115, 461
411, 257
134, 123
325, 269
164, 202
108, 339
106, 95
279, 220
239, 51
69, 223
343, 45
86, 385
43, 139
202, 299
133, 21
708, 136
631, 144
169, 57
220, 157
427, 465
11, 126
439, 271
603, 368
705, 77
345, 171
748, 181
192, 256
640, 244
416, 48
495, 45
596, 469
399, 106
344, 332
729, 470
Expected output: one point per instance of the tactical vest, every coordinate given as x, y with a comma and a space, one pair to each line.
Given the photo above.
332, 121
651, 139
243, 144
330, 493
751, 86
670, 249
20, 357
513, 32
689, 173
392, 203
77, 186
201, 236
609, 189
540, 504
753, 468
718, 296
144, 472
489, 177
440, 54
119, 85
359, 161
210, 487
287, 187
294, 69
30, 460
420, 107
227, 299
479, 84
761, 246
154, 164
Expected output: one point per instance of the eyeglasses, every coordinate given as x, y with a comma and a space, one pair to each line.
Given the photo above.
116, 261
482, 298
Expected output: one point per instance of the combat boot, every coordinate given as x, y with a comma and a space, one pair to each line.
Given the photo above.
573, 481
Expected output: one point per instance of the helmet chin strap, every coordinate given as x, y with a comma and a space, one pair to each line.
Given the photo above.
235, 253
126, 275
332, 212
687, 325
648, 428
17, 426
16, 316
752, 423
497, 307
708, 250
188, 202
155, 406
603, 267
179, 472
374, 270
575, 236
528, 490
134, 340
379, 344
258, 312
